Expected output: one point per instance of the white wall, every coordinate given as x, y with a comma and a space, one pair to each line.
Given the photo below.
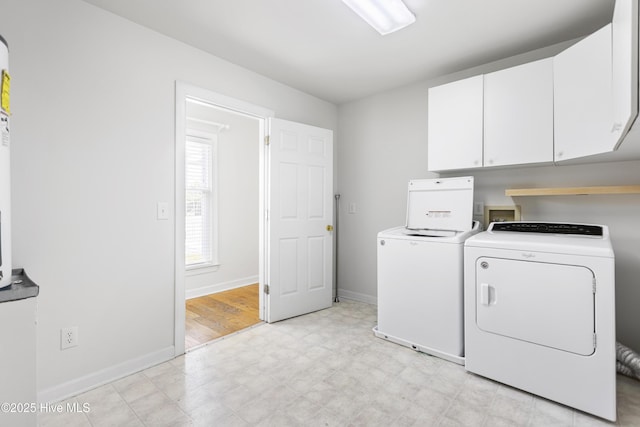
92, 154
237, 200
384, 144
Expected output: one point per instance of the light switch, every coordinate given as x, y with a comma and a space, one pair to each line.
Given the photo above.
163, 210
352, 208
478, 209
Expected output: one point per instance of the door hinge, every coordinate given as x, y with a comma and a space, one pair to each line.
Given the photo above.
266, 140
266, 289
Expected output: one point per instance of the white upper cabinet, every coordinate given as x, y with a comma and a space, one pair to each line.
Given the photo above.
583, 98
580, 103
596, 87
518, 114
624, 66
455, 125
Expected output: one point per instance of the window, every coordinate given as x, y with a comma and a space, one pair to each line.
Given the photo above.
200, 209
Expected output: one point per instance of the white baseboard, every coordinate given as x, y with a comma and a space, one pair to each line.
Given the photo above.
357, 296
224, 286
104, 376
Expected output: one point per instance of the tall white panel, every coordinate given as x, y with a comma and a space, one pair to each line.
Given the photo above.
5, 178
18, 354
315, 192
288, 249
316, 262
289, 190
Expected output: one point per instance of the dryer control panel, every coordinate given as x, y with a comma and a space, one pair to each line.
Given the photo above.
547, 227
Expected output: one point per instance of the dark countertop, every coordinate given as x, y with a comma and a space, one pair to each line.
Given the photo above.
21, 287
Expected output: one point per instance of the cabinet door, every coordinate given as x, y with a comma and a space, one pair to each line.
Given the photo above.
455, 125
18, 355
624, 33
518, 114
582, 98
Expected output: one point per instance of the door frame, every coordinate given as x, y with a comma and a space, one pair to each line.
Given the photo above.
183, 91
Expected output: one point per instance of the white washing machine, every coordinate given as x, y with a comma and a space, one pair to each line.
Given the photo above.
540, 311
420, 269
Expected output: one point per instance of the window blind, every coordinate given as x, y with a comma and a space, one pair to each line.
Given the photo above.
198, 197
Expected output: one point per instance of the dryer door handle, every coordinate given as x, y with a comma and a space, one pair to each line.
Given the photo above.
485, 293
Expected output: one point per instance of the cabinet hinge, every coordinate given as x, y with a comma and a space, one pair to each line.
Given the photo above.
266, 140
266, 289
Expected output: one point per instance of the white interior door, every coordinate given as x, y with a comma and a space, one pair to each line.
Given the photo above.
299, 259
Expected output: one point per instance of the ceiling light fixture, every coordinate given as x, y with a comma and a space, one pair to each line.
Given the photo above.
386, 16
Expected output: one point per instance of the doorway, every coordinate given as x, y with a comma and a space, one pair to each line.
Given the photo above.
220, 314
219, 158
294, 214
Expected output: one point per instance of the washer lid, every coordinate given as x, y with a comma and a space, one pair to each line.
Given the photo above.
437, 236
440, 204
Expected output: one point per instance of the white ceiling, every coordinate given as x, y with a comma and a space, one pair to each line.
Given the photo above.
321, 47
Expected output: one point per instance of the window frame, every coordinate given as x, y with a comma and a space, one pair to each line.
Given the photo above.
213, 264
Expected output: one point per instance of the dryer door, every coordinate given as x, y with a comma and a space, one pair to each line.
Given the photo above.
546, 304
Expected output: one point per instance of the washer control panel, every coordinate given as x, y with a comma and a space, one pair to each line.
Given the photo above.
547, 227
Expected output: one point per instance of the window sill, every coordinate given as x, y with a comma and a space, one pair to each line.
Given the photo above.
198, 269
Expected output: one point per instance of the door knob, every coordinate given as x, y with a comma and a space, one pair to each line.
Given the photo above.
329, 227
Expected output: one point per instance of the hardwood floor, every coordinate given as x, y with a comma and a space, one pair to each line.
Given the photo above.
216, 315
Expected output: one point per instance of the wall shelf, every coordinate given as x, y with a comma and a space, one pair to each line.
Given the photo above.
573, 191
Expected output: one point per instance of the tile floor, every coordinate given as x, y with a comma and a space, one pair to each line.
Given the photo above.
322, 369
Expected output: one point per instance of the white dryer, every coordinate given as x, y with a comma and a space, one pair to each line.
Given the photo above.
540, 311
420, 269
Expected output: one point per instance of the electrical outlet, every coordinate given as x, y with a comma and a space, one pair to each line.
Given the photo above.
68, 337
